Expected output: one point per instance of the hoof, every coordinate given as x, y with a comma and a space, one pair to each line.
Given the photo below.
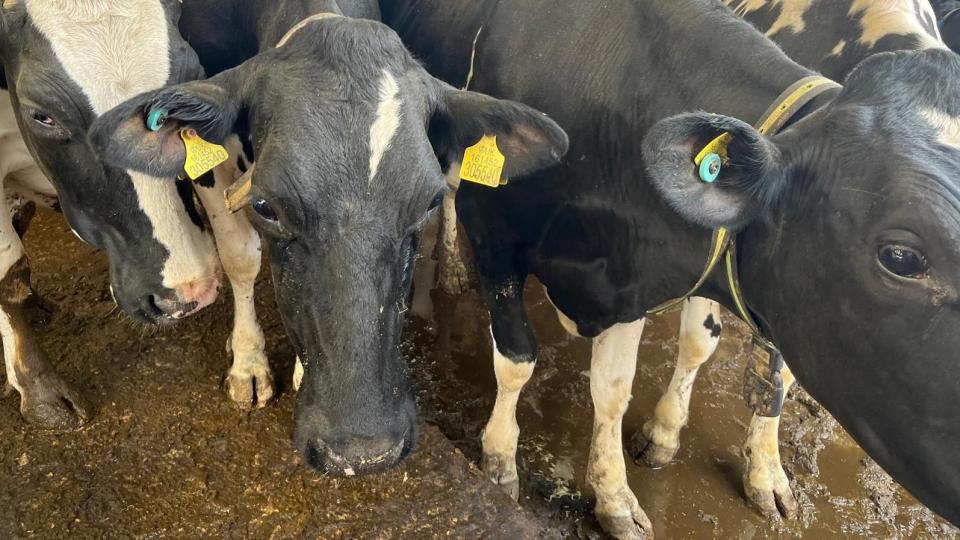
633, 526
250, 387
646, 452
52, 404
768, 490
502, 471
773, 502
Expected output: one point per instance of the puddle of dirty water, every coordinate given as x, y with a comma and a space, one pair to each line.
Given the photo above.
842, 493
168, 456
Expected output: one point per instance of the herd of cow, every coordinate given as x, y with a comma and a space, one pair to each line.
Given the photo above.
346, 128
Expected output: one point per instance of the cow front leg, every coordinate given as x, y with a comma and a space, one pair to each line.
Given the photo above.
249, 381
45, 398
612, 369
764, 480
658, 441
514, 358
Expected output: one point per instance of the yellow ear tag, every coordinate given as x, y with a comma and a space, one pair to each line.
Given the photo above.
202, 156
717, 146
483, 163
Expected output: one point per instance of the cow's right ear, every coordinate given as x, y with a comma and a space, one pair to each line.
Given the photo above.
750, 180
143, 133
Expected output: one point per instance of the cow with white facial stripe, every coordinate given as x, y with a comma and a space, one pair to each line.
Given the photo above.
831, 36
349, 133
65, 63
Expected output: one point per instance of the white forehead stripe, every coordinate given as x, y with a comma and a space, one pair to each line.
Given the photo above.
948, 127
387, 121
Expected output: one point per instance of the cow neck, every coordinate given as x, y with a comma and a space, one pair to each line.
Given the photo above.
723, 243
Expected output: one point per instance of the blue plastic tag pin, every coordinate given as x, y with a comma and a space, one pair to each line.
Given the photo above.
710, 168
156, 119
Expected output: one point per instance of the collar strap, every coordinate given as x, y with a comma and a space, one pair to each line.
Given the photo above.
723, 244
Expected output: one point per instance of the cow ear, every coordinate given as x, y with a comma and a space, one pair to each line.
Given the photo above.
750, 180
528, 139
143, 134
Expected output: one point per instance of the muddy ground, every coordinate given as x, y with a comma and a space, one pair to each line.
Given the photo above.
169, 456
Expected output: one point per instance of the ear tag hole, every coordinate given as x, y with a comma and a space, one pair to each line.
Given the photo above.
156, 119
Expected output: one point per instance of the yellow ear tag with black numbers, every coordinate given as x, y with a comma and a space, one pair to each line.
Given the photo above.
483, 163
202, 156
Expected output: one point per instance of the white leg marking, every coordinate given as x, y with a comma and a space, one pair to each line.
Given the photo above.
699, 336
11, 250
297, 374
764, 480
612, 369
115, 50
249, 381
502, 431
385, 124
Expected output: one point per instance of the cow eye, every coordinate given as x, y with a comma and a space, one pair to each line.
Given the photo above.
43, 119
264, 209
903, 261
437, 201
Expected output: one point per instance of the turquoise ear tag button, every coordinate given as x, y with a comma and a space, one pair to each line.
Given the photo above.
710, 168
156, 119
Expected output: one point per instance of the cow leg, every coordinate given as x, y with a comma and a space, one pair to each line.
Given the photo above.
454, 279
612, 369
45, 398
764, 480
659, 439
249, 381
514, 357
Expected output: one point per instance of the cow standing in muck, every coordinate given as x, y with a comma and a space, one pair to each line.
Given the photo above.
854, 202
349, 133
831, 37
65, 63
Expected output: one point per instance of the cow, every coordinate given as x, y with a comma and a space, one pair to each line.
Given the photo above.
851, 206
65, 63
350, 135
831, 37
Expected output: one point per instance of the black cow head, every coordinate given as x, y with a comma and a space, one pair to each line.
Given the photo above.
850, 241
67, 62
349, 133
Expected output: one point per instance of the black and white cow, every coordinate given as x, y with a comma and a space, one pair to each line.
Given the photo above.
66, 63
847, 220
828, 36
349, 133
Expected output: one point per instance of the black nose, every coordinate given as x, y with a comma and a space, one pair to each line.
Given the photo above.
357, 455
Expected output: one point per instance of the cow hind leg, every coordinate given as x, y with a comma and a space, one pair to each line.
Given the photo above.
658, 441
46, 399
764, 480
249, 381
612, 368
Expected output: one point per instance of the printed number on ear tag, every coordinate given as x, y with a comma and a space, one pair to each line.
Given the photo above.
483, 163
202, 156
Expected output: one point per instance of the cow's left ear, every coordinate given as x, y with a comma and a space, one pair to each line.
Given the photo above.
143, 133
750, 181
528, 139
